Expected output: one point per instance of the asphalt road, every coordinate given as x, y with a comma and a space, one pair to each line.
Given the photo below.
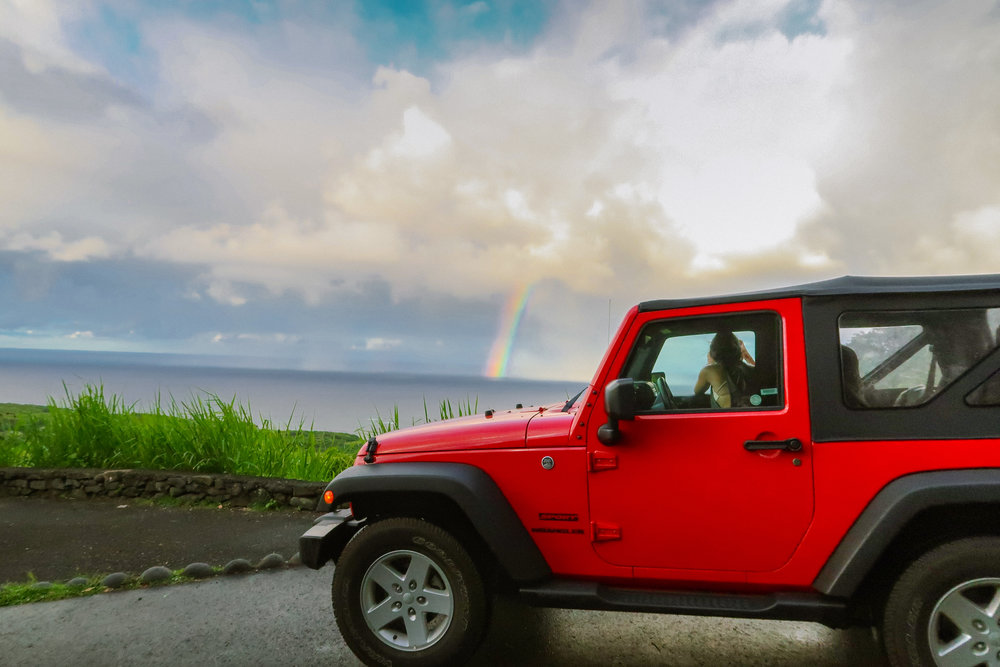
284, 618
56, 539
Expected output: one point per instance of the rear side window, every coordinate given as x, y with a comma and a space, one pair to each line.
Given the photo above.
899, 359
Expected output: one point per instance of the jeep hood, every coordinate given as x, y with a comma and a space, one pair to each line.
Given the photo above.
492, 430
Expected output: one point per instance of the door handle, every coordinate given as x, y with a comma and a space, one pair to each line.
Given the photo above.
790, 445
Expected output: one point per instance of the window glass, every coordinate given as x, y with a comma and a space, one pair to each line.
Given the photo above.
988, 393
896, 359
675, 359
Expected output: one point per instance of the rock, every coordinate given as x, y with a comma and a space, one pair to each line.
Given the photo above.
237, 566
115, 580
41, 586
295, 560
277, 487
303, 503
155, 574
76, 582
198, 571
270, 561
302, 489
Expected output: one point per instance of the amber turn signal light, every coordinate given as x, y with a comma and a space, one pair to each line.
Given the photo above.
328, 497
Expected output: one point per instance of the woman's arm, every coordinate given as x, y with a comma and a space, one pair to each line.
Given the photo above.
703, 382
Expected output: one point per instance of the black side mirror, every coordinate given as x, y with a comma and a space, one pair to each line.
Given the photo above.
619, 403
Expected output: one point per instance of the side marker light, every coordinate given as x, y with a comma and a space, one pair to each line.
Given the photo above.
328, 497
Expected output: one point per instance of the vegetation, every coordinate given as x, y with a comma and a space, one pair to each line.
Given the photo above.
379, 425
22, 593
206, 434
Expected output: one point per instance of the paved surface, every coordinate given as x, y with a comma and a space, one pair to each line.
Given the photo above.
56, 539
284, 618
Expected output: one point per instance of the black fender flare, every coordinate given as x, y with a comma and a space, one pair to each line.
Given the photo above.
889, 512
472, 490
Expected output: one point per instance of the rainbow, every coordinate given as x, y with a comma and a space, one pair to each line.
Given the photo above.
496, 364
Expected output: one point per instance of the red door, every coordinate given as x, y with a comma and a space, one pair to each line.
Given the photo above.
680, 490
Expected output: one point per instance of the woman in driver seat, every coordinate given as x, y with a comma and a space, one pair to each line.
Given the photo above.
729, 373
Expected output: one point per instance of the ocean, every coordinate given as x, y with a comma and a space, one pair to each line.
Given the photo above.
323, 400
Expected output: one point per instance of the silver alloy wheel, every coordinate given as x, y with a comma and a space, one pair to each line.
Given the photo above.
964, 627
406, 600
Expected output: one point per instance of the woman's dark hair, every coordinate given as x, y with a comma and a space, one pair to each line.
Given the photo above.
725, 349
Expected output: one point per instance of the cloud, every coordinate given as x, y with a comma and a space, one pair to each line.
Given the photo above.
688, 151
379, 344
915, 156
57, 249
629, 151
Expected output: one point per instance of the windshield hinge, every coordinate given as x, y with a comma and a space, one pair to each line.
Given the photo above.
370, 450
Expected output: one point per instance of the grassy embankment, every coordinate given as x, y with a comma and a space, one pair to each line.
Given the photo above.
205, 434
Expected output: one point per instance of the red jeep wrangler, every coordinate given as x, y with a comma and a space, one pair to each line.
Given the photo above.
828, 452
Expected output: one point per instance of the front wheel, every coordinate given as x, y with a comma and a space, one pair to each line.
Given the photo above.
945, 608
405, 592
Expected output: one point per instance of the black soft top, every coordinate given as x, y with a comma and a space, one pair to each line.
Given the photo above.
845, 285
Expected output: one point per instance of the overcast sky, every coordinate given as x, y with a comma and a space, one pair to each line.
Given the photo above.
366, 185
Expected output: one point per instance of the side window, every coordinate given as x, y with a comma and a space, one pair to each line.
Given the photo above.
988, 393
896, 359
709, 363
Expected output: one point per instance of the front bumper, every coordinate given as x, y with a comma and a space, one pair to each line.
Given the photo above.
326, 539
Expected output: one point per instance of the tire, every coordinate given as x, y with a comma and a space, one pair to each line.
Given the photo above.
945, 608
405, 592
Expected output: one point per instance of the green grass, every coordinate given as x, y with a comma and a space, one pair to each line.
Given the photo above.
205, 434
24, 593
378, 424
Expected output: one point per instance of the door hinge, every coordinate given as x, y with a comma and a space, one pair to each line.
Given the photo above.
604, 532
602, 461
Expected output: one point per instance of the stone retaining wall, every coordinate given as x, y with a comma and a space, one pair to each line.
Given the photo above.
234, 490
